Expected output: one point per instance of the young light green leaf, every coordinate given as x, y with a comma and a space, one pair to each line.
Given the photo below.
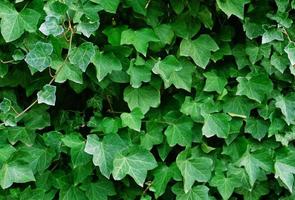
82, 55
176, 72
199, 50
39, 57
143, 98
105, 63
134, 162
139, 39
290, 50
108, 6
133, 119
47, 95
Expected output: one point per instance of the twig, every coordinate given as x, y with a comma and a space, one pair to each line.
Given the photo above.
147, 4
7, 61
286, 33
25, 110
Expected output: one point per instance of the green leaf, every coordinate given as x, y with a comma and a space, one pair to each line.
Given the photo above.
197, 192
72, 193
99, 190
238, 106
176, 72
82, 55
67, 71
257, 163
139, 39
13, 23
216, 124
134, 162
105, 63
162, 176
5, 105
104, 151
225, 185
256, 127
272, 34
47, 95
15, 173
285, 168
256, 86
139, 6
214, 82
109, 6
39, 57
143, 98
199, 50
139, 74
51, 26
179, 130
133, 119
287, 106
193, 168
233, 7
290, 50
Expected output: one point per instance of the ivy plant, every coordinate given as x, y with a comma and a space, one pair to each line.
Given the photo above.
146, 99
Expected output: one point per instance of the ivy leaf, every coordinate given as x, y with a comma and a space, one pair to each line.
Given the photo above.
39, 57
256, 127
5, 105
255, 86
225, 185
72, 193
139, 39
214, 82
109, 6
104, 151
256, 163
135, 162
82, 55
138, 6
162, 176
143, 98
51, 26
197, 192
290, 50
105, 63
238, 106
99, 190
14, 23
272, 34
133, 119
287, 106
179, 130
176, 72
67, 71
233, 7
285, 167
47, 95
216, 124
139, 74
199, 50
193, 168
15, 173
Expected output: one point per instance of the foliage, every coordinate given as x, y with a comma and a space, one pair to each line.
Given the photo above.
146, 99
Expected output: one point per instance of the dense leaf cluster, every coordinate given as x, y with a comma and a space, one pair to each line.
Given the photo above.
147, 99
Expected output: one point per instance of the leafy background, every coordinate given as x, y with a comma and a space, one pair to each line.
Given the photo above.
146, 99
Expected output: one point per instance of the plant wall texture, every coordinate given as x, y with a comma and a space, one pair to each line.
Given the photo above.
147, 99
